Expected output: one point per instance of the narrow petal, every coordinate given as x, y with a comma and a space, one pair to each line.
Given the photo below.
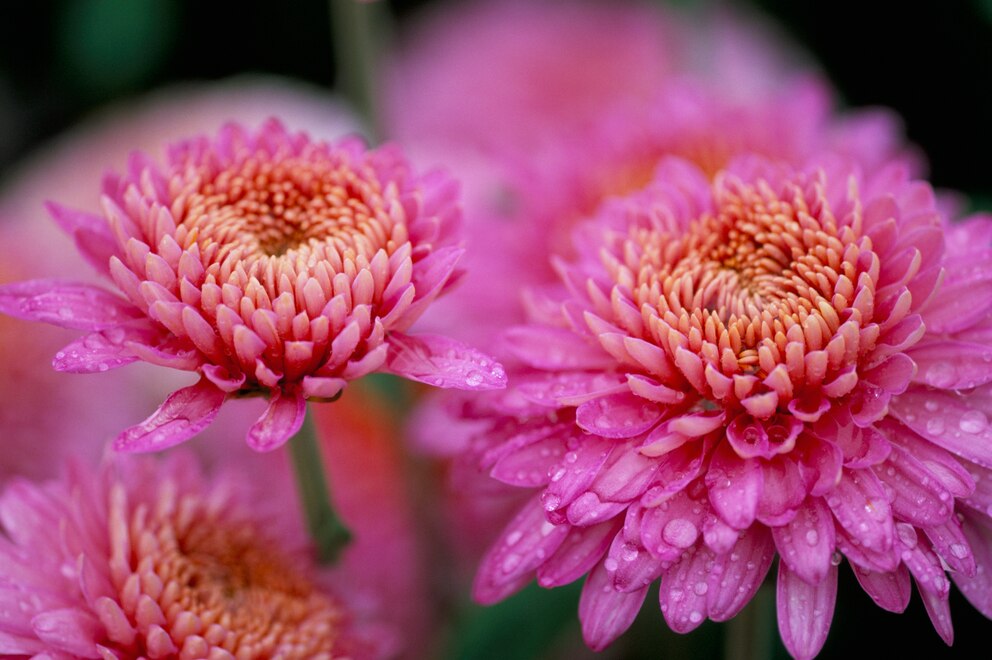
280, 421
890, 590
947, 420
861, 506
96, 352
737, 575
977, 588
806, 544
184, 414
523, 546
443, 362
576, 556
604, 612
952, 365
91, 234
66, 304
683, 590
622, 415
734, 486
804, 611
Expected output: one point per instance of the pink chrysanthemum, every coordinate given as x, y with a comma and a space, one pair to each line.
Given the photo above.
151, 560
267, 263
778, 361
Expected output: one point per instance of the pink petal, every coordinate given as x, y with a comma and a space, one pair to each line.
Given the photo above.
315, 387
523, 546
184, 414
567, 388
737, 575
96, 352
280, 421
683, 590
66, 304
69, 630
443, 362
977, 588
952, 365
939, 610
734, 486
806, 544
951, 545
782, 492
959, 306
918, 496
939, 462
861, 506
429, 277
948, 421
555, 348
890, 590
629, 564
576, 556
589, 509
604, 612
92, 235
804, 611
573, 475
672, 527
622, 415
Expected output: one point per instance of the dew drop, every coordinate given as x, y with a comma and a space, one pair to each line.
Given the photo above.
812, 537
973, 421
931, 406
941, 375
629, 552
836, 558
695, 616
550, 501
571, 457
558, 474
959, 550
473, 379
700, 588
679, 533
513, 537
511, 562
935, 425
610, 564
65, 312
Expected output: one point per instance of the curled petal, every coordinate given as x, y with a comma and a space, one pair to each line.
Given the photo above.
184, 414
604, 612
66, 304
280, 421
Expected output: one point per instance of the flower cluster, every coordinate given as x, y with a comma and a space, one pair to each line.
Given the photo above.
746, 344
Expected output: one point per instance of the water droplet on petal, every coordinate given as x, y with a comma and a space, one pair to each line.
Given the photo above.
695, 616
941, 375
959, 550
973, 421
701, 588
812, 537
836, 558
935, 425
679, 533
513, 537
610, 564
931, 406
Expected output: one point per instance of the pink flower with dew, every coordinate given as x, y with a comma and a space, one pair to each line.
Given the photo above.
267, 263
32, 246
790, 361
151, 559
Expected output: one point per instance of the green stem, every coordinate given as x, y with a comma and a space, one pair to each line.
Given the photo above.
749, 635
326, 529
356, 47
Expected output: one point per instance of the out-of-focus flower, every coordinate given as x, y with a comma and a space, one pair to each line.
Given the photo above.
568, 179
487, 73
267, 263
776, 360
152, 559
32, 246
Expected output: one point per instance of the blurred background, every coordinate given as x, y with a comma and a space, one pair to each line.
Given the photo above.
62, 62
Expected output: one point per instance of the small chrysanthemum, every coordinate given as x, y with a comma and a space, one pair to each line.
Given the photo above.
146, 559
775, 361
267, 263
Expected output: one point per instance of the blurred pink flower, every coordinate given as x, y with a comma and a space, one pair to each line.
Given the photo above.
267, 263
749, 365
152, 559
31, 246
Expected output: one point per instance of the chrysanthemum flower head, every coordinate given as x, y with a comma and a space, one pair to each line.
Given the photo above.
776, 360
268, 264
154, 560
